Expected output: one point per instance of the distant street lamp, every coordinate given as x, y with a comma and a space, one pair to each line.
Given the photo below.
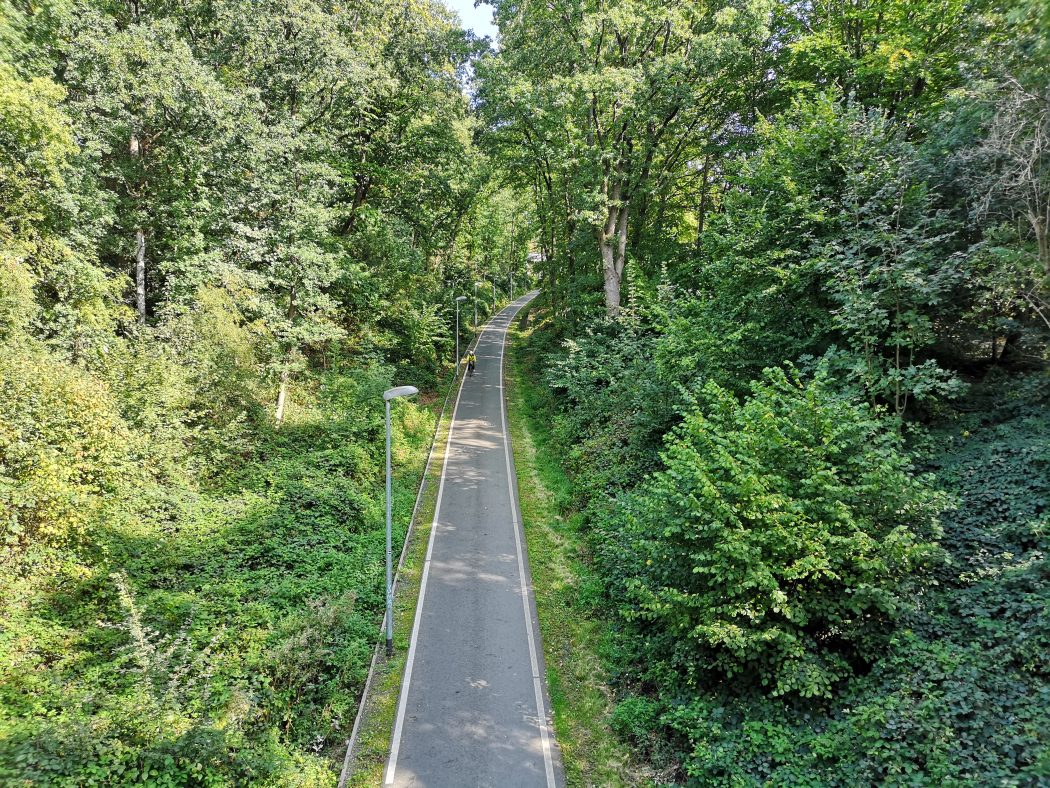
389, 394
459, 300
475, 307
493, 293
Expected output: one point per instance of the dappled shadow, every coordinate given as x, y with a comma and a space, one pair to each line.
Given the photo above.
499, 570
471, 711
475, 747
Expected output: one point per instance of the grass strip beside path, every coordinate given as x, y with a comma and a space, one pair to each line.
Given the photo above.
373, 742
368, 759
572, 638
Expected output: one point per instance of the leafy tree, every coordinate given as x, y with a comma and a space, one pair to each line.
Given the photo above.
64, 450
899, 56
834, 240
150, 114
778, 540
891, 271
618, 95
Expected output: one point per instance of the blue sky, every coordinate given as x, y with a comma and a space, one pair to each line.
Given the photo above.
477, 19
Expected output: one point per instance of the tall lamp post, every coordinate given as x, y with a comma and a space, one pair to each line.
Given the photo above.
475, 307
493, 292
389, 394
459, 300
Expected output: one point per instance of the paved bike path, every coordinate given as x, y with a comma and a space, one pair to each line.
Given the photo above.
473, 705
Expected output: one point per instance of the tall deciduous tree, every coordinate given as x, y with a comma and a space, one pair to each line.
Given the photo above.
610, 98
901, 56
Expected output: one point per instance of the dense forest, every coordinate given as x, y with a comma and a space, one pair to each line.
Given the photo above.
794, 364
791, 348
225, 228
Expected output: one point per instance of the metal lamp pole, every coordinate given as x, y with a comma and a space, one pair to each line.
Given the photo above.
389, 394
459, 300
475, 307
493, 293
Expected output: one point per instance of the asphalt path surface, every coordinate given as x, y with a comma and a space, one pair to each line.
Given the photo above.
473, 705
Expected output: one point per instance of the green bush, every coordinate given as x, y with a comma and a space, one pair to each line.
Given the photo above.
615, 409
929, 713
16, 294
64, 449
782, 537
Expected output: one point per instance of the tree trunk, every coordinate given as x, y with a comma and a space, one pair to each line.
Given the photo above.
135, 150
1042, 239
364, 183
140, 274
612, 242
612, 285
701, 214
282, 396
282, 390
571, 269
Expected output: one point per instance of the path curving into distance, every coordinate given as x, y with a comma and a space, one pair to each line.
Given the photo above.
473, 709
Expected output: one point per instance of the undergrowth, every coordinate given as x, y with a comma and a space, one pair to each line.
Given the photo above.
955, 691
566, 588
217, 631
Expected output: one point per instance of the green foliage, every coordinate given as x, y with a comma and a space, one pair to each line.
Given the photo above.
942, 676
36, 143
855, 196
898, 55
834, 247
599, 112
64, 449
778, 541
190, 585
16, 296
959, 693
609, 372
889, 273
190, 580
211, 636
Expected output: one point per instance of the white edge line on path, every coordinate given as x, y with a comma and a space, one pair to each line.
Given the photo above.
366, 692
537, 681
345, 773
399, 720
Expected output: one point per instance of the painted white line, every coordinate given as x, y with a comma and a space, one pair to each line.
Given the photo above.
395, 744
366, 692
395, 741
406, 681
537, 681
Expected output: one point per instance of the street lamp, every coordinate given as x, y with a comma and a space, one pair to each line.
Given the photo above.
459, 300
493, 292
389, 394
475, 307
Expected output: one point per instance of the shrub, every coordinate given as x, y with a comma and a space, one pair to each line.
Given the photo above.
16, 294
63, 447
780, 539
616, 403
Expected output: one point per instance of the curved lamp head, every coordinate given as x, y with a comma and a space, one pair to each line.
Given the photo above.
400, 391
461, 298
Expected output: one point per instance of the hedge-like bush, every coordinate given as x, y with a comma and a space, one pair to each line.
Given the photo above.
783, 536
